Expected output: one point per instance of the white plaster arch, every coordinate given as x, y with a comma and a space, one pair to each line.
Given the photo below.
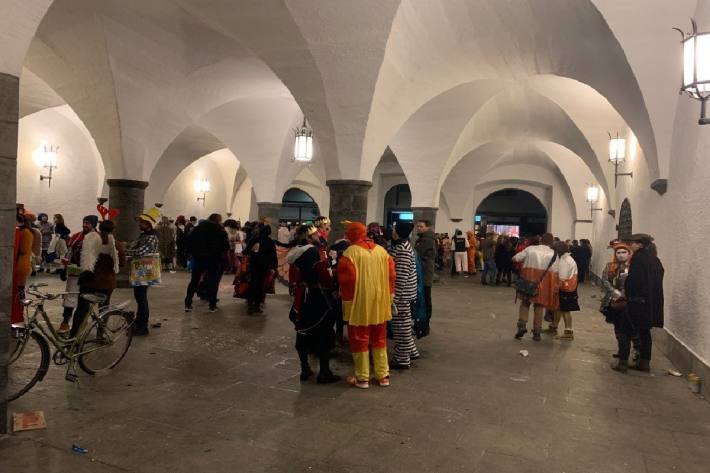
471, 169
437, 45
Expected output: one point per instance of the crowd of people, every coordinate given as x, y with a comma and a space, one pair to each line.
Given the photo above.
376, 282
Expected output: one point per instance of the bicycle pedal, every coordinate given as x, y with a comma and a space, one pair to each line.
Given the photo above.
71, 377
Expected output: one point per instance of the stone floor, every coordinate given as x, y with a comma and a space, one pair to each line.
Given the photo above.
220, 393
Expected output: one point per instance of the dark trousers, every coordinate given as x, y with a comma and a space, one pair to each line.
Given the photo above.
257, 293
82, 309
626, 334
505, 273
423, 330
212, 271
140, 293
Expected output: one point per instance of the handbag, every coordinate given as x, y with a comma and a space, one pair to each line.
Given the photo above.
530, 288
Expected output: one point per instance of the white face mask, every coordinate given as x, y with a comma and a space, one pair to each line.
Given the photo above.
622, 256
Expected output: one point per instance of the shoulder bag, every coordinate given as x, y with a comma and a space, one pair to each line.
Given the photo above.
530, 288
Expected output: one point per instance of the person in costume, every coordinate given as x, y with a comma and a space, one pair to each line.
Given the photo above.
22, 266
366, 276
323, 226
99, 266
569, 303
312, 312
146, 244
72, 263
613, 304
539, 265
644, 298
405, 293
471, 251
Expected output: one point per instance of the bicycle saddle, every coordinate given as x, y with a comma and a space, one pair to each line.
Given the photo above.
94, 298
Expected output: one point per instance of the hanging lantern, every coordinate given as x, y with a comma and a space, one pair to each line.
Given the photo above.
696, 68
592, 194
617, 149
303, 146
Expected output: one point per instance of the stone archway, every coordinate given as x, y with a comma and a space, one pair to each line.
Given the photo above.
625, 227
512, 211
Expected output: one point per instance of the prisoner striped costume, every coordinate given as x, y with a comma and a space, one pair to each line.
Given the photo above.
405, 293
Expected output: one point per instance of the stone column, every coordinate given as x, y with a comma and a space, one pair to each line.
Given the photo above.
348, 201
425, 213
270, 212
128, 196
9, 110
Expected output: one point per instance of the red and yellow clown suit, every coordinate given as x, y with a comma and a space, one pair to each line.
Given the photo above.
366, 276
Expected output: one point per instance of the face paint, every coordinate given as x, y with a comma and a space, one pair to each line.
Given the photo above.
622, 256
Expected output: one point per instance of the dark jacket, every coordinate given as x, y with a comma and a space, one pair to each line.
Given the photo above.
260, 262
208, 241
426, 249
644, 290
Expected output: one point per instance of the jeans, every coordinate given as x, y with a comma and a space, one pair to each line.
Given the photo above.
140, 293
212, 271
489, 272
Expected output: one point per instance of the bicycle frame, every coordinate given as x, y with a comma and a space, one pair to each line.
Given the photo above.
68, 347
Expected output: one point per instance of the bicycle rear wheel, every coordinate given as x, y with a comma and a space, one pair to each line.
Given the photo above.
106, 342
28, 363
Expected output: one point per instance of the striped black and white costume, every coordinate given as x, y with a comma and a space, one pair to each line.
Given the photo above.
405, 293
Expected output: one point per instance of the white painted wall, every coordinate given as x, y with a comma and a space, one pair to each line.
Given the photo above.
219, 168
76, 183
679, 222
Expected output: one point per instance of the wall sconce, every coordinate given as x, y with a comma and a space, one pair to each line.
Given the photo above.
696, 67
303, 146
202, 186
46, 156
593, 198
617, 156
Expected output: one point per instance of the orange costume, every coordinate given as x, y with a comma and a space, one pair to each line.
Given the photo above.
366, 275
471, 250
24, 239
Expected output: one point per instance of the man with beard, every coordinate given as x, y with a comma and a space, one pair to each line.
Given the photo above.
312, 312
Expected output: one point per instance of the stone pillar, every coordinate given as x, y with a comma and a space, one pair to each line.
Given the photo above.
270, 212
128, 196
9, 110
425, 213
348, 201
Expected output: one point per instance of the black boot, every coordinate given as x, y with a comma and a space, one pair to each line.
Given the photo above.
306, 371
622, 366
522, 330
642, 365
536, 334
325, 376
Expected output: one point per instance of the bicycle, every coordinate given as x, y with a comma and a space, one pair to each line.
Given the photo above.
102, 341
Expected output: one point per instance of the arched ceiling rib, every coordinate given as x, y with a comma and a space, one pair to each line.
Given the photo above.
466, 117
18, 25
471, 170
327, 53
439, 44
35, 94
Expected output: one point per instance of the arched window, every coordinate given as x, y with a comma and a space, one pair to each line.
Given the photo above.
398, 205
298, 207
625, 227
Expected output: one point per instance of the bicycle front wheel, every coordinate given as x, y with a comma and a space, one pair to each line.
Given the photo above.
28, 363
106, 342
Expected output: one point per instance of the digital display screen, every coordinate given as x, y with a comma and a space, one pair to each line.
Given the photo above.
477, 219
405, 215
